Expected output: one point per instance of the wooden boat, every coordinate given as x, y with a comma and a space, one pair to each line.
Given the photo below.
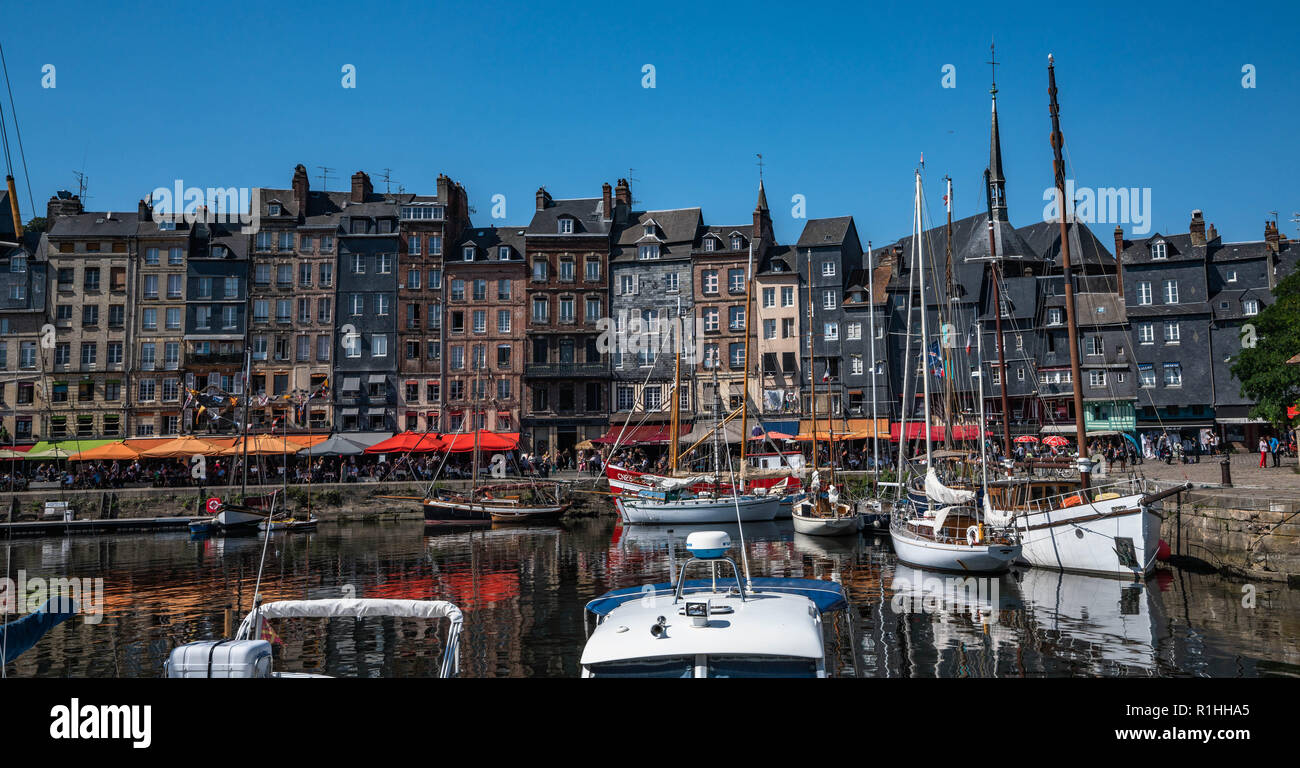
527, 516
514, 501
288, 524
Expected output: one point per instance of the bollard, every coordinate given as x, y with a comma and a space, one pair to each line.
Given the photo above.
1225, 468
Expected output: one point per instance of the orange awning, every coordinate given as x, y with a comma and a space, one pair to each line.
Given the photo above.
182, 447
107, 452
842, 429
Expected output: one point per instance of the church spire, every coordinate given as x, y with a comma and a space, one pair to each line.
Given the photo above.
997, 184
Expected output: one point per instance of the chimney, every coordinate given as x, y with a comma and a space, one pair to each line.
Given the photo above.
1119, 265
63, 204
361, 187
1211, 234
145, 211
543, 199
1197, 228
1272, 238
623, 193
301, 190
607, 201
444, 189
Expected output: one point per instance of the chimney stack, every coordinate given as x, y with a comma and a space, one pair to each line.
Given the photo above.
1211, 234
361, 187
301, 190
145, 211
543, 199
1272, 238
607, 201
64, 203
1197, 228
623, 193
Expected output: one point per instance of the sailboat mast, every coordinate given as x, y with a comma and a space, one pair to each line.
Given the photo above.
995, 269
1071, 321
674, 427
979, 357
744, 390
871, 334
812, 363
925, 336
947, 348
248, 394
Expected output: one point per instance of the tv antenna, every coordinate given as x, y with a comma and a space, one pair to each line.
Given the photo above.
630, 181
387, 178
325, 177
83, 183
759, 155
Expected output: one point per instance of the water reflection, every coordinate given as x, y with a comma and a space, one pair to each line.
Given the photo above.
523, 591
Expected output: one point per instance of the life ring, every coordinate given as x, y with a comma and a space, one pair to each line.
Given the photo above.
973, 535
1071, 501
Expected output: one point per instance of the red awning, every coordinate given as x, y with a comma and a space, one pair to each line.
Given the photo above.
914, 431
414, 442
487, 441
647, 434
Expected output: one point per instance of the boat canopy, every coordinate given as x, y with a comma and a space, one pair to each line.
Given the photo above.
828, 596
359, 608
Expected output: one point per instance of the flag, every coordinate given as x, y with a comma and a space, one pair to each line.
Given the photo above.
826, 376
968, 341
936, 361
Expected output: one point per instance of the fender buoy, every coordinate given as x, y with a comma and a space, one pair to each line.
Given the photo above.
973, 535
1071, 501
1162, 551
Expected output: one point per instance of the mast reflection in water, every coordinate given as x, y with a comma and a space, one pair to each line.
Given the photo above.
523, 592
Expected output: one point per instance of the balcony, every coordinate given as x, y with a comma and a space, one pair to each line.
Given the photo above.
564, 370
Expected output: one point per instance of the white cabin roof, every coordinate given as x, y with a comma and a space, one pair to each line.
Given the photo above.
764, 624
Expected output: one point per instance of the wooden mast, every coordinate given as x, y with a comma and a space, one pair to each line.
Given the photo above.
997, 206
1058, 141
947, 342
744, 390
812, 364
675, 423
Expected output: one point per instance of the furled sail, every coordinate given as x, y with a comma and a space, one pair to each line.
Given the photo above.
996, 518
935, 489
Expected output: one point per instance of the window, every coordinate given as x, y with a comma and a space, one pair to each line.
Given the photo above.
149, 319
151, 286
1250, 307
1232, 276
1146, 376
305, 244
503, 321
384, 263
854, 332
379, 345
151, 257
769, 298
173, 318
503, 356
1173, 374
1055, 316
710, 317
652, 397
1144, 293
593, 309
592, 275
648, 252
737, 355
709, 281
832, 332
736, 280
828, 300
787, 296
566, 226
1146, 333
480, 321
458, 290
541, 309
787, 327
737, 243
566, 309
92, 279
710, 243
90, 315
284, 275
174, 286
413, 243
1173, 333
736, 318
1094, 345
357, 262
1158, 251
1171, 291
670, 282
541, 270
1097, 378
828, 269
624, 397
326, 275
626, 285
769, 329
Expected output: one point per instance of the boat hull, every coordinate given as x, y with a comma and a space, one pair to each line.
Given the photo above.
526, 516
920, 552
827, 526
688, 511
232, 518
1089, 538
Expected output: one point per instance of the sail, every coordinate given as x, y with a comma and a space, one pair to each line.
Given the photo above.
996, 518
673, 483
935, 489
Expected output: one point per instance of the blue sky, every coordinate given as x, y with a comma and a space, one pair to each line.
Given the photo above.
841, 100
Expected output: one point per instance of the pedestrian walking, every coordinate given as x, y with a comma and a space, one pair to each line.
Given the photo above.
1273, 446
1263, 452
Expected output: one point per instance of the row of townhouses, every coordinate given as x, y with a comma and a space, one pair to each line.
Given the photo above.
378, 312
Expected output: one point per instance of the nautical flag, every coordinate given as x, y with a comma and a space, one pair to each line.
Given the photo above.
968, 341
936, 361
826, 375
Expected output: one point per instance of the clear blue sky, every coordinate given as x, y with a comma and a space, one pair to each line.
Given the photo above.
841, 99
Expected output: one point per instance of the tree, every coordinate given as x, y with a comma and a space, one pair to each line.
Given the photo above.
1268, 341
38, 224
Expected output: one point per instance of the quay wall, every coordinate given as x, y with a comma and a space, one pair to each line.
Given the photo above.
1245, 533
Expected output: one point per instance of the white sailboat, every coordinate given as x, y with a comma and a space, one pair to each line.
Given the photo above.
946, 532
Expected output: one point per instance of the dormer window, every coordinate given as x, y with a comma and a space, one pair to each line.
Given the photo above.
18, 263
1250, 307
737, 242
709, 243
1232, 275
566, 226
1158, 251
647, 252
273, 209
166, 225
649, 230
467, 253
218, 251
503, 253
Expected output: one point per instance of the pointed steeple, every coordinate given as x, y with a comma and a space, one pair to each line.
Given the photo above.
997, 183
762, 234
762, 198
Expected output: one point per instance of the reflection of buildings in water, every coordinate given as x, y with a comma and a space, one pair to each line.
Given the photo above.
1096, 625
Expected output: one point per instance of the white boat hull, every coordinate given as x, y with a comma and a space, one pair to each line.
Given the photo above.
920, 552
230, 518
827, 526
688, 511
1086, 538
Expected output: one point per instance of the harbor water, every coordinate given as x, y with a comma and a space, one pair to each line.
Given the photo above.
523, 592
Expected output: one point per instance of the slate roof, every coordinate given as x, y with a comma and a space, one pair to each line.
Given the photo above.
488, 238
677, 232
1086, 250
584, 210
824, 232
96, 224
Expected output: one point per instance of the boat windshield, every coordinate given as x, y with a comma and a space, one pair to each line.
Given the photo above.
761, 666
668, 666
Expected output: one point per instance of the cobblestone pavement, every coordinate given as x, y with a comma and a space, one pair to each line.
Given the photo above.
1246, 472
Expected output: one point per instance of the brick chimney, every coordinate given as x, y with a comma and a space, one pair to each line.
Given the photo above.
145, 211
301, 190
623, 193
64, 203
1119, 265
1197, 228
361, 187
543, 199
1211, 234
607, 201
1272, 238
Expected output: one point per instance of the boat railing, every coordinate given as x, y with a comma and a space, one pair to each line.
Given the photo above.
1093, 494
986, 533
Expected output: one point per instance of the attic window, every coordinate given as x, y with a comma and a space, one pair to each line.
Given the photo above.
1232, 275
566, 226
649, 229
503, 252
467, 253
273, 209
166, 225
737, 242
1158, 251
709, 243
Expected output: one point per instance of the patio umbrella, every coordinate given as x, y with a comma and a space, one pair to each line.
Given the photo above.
51, 453
262, 445
1056, 441
181, 447
108, 452
1025, 439
334, 446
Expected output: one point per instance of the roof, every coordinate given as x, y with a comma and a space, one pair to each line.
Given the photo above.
1086, 250
676, 231
825, 232
585, 211
488, 238
96, 224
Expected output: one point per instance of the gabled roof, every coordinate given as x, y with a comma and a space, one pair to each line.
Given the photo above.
1086, 250
825, 233
679, 228
585, 211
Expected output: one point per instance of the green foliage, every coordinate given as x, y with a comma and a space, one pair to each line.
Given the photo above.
1265, 377
37, 224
